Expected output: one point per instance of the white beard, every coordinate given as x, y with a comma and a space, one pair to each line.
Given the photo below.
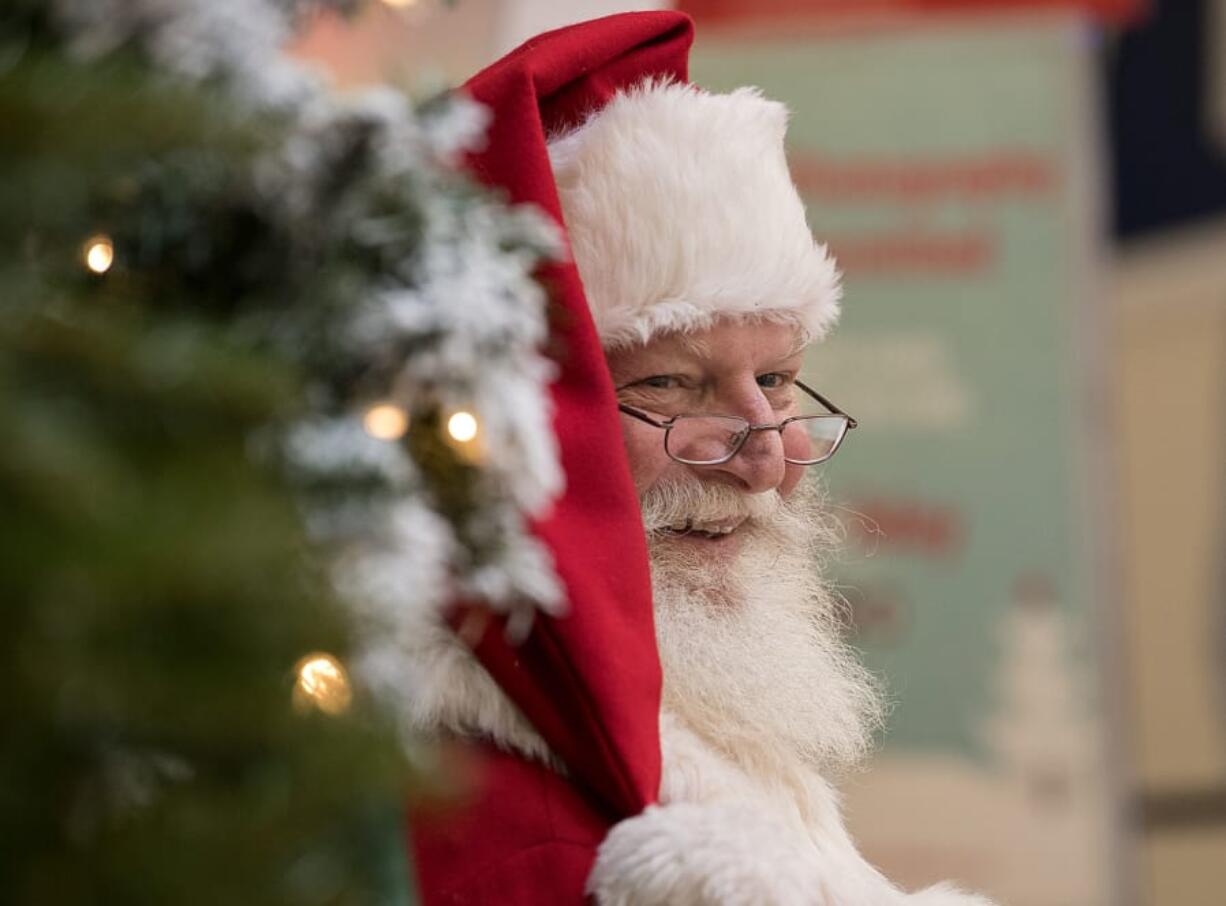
752, 648
762, 698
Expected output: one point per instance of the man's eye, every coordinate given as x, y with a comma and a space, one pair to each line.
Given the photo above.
773, 380
660, 382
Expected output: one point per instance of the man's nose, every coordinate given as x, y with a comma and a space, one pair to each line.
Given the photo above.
758, 465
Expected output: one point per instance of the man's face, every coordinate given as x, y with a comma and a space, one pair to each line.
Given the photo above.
733, 368
749, 638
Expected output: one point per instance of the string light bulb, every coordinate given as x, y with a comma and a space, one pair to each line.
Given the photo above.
386, 421
399, 4
321, 682
99, 253
462, 426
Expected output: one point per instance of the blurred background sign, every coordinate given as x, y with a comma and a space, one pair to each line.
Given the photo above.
950, 168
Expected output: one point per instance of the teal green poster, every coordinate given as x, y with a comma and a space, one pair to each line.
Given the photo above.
951, 169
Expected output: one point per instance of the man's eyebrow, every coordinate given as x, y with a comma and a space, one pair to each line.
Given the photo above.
697, 346
646, 372
785, 362
685, 356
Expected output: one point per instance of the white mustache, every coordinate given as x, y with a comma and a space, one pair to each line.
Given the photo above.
698, 503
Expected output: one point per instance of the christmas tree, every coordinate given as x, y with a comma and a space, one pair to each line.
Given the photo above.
271, 398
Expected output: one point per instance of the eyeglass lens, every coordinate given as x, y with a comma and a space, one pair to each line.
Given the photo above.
704, 439
822, 434
707, 439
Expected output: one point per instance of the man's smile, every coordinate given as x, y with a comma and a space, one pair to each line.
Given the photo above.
707, 531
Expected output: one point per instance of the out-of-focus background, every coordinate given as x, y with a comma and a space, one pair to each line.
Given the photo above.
1029, 203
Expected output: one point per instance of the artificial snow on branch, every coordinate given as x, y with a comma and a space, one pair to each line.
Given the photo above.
387, 278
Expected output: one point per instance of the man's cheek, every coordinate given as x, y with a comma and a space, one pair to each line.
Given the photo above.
792, 474
647, 459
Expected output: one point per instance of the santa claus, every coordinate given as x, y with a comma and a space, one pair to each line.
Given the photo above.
673, 738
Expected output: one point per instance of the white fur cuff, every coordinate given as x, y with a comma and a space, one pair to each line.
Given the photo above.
685, 854
739, 854
946, 895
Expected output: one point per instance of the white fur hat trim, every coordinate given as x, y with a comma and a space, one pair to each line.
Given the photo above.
680, 209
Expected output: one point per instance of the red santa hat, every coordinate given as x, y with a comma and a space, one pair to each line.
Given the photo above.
589, 681
680, 209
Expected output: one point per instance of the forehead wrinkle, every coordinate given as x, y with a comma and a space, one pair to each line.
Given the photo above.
697, 345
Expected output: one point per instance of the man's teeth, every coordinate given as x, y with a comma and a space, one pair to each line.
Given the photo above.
688, 526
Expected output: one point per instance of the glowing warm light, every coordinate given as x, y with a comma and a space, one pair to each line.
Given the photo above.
400, 4
99, 253
462, 426
322, 683
386, 421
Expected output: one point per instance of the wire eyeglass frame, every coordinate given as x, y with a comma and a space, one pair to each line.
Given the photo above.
744, 434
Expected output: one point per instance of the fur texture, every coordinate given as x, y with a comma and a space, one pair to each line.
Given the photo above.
720, 837
679, 208
732, 839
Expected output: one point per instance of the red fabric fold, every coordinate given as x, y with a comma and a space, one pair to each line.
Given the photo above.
588, 681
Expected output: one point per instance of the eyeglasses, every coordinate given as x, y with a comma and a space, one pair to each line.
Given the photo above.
709, 440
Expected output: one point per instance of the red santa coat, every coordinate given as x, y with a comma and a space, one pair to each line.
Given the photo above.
589, 682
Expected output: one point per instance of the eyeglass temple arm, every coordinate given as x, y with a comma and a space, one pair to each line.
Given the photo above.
851, 422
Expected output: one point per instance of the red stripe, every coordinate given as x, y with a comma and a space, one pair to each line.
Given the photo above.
746, 11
